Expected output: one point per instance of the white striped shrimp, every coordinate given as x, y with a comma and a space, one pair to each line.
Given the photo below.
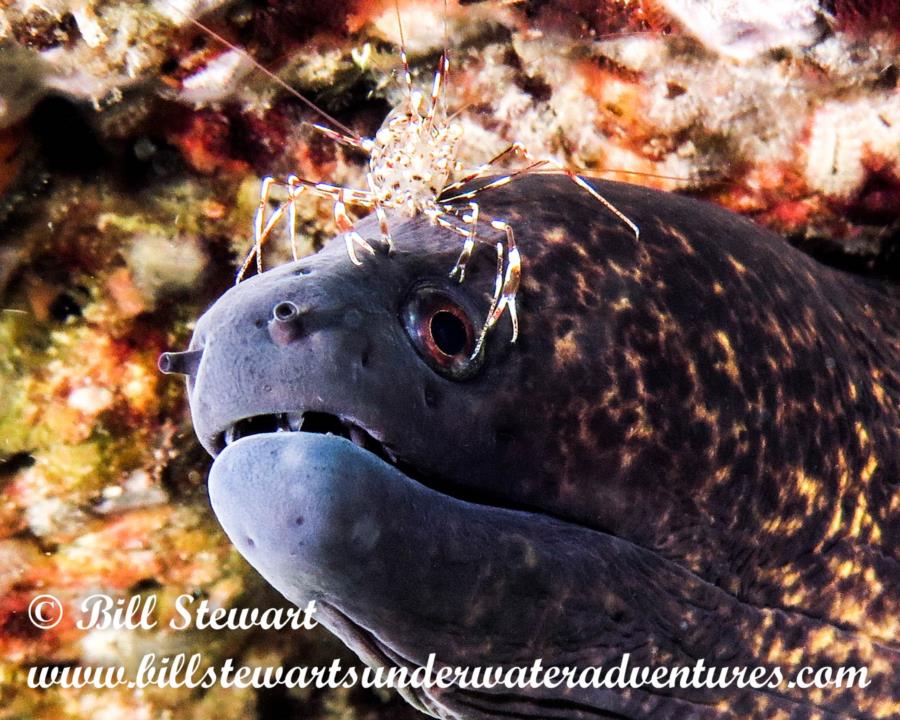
412, 168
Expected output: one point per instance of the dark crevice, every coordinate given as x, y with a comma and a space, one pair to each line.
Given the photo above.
12, 464
70, 146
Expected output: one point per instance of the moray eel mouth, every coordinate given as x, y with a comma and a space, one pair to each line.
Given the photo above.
330, 430
305, 421
338, 429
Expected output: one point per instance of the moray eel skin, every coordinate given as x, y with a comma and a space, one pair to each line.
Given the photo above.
692, 452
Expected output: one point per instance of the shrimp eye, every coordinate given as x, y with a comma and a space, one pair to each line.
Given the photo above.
442, 330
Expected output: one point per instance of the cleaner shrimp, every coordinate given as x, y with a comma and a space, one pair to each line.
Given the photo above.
412, 168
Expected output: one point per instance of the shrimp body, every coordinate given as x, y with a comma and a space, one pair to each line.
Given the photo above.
412, 158
412, 169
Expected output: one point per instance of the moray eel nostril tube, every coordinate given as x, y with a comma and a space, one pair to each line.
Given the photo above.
691, 452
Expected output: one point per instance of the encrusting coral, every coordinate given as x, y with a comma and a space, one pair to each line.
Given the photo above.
131, 148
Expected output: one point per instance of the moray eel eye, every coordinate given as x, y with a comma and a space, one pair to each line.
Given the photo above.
442, 331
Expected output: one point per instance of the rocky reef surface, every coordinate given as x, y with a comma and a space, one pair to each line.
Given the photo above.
132, 143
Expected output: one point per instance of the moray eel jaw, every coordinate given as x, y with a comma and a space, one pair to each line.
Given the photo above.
399, 571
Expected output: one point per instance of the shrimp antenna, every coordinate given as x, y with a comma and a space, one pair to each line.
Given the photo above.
446, 67
446, 36
268, 73
407, 78
399, 23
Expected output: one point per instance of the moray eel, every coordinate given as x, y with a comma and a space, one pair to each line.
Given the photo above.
691, 452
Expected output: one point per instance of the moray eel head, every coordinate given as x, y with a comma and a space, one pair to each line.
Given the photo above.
682, 457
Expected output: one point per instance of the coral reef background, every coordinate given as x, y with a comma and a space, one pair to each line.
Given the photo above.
131, 149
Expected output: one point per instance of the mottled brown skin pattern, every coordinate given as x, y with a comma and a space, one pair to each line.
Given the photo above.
692, 451
740, 401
